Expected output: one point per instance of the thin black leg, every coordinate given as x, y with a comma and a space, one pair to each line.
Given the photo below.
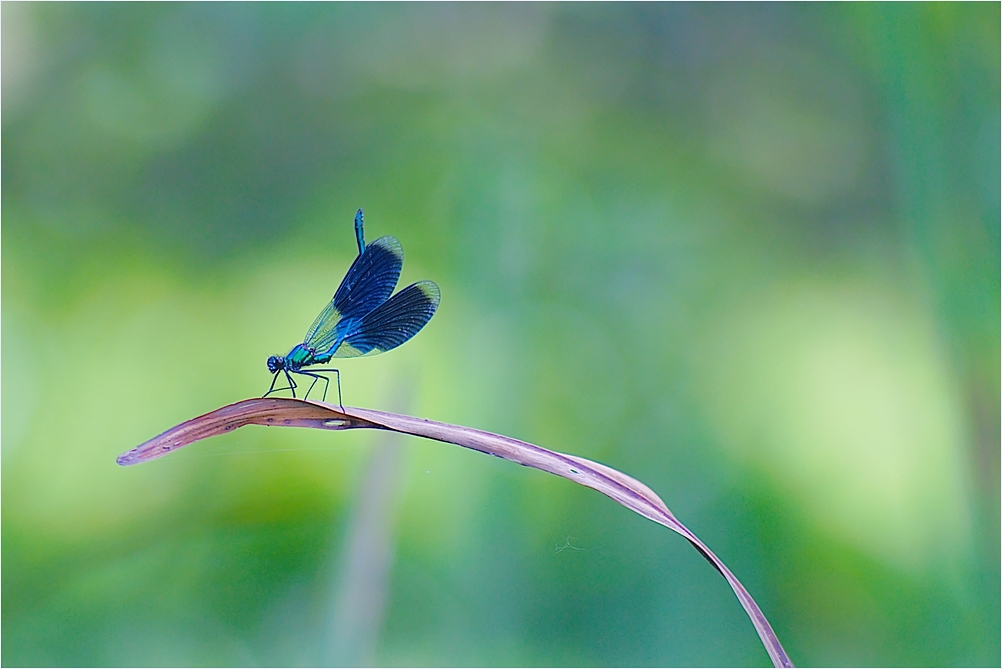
315, 377
292, 384
336, 373
310, 389
273, 389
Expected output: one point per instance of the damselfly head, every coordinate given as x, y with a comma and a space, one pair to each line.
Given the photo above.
275, 363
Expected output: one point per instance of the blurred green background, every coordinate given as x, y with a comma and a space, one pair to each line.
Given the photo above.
746, 254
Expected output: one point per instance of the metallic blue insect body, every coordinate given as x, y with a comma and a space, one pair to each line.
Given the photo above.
362, 319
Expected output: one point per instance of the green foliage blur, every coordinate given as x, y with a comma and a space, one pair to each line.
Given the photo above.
748, 254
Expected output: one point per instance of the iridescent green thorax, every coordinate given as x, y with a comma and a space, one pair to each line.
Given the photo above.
298, 357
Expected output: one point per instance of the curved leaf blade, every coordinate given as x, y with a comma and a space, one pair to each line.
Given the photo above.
288, 412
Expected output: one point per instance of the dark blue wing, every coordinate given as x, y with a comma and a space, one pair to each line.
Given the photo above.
369, 282
392, 323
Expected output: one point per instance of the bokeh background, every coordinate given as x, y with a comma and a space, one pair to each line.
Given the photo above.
748, 254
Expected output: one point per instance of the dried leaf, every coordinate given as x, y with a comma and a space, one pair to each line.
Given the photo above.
287, 412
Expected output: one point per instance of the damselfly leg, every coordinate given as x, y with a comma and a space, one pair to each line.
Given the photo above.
325, 380
291, 387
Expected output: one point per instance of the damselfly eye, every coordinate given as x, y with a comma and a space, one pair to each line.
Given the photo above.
274, 364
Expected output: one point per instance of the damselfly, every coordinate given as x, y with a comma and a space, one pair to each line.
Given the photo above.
362, 319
